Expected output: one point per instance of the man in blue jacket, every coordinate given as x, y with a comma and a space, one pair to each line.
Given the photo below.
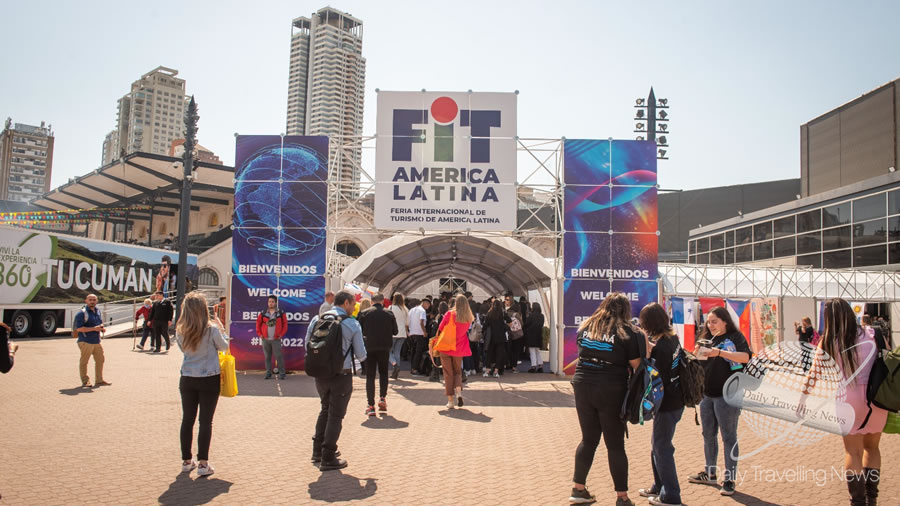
89, 325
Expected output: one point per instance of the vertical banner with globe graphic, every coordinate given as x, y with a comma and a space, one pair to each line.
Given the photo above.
610, 242
280, 210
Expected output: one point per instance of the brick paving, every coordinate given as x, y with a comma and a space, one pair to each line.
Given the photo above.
512, 444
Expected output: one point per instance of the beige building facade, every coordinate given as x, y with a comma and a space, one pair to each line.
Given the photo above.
26, 161
151, 115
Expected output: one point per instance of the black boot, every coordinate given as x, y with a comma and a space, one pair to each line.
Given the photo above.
331, 461
317, 450
856, 484
873, 476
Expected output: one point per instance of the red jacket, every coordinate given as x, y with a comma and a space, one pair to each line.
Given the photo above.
143, 311
281, 325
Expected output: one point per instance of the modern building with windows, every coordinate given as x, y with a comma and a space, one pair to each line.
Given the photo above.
326, 85
847, 214
26, 161
150, 116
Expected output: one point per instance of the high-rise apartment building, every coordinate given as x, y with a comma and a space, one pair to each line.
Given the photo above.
110, 148
151, 115
26, 161
327, 83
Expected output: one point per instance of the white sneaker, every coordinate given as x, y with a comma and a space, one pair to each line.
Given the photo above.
486, 374
205, 470
496, 374
188, 465
450, 405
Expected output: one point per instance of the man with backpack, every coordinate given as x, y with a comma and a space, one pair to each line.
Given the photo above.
334, 383
378, 326
87, 326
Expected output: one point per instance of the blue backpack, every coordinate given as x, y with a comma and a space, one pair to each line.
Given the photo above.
645, 390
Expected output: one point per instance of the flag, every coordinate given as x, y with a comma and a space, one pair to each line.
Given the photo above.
740, 313
684, 321
707, 303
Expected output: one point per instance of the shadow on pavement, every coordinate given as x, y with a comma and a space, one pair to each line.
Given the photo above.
76, 391
384, 422
508, 396
465, 414
742, 498
185, 490
334, 486
294, 385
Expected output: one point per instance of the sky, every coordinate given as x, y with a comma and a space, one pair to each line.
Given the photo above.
741, 77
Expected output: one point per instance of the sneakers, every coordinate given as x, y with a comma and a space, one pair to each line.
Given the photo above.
703, 478
648, 492
496, 374
486, 374
205, 469
382, 404
268, 376
656, 501
370, 411
450, 405
139, 347
459, 401
188, 465
727, 488
515, 371
581, 497
281, 376
540, 369
624, 501
532, 369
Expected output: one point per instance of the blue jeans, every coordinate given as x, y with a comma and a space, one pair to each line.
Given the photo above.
396, 346
662, 456
717, 415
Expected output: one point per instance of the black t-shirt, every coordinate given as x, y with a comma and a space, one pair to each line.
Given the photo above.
666, 355
603, 359
806, 334
717, 369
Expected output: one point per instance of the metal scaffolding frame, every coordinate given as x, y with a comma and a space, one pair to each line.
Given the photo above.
741, 281
539, 160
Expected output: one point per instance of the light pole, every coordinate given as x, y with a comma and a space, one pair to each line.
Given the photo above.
190, 140
652, 118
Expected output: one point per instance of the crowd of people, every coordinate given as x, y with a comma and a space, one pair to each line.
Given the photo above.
491, 336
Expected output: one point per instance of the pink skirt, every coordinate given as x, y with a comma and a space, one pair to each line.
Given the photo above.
856, 397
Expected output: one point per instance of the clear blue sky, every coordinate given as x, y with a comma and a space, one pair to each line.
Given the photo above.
741, 77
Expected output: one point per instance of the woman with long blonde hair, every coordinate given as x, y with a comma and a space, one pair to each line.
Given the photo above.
200, 340
608, 347
451, 361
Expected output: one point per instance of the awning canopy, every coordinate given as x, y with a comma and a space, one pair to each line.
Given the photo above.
404, 263
142, 179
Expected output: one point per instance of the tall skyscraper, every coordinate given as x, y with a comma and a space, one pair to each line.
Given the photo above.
110, 148
151, 115
26, 161
327, 80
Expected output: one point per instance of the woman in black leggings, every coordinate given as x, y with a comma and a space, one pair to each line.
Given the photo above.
497, 323
607, 349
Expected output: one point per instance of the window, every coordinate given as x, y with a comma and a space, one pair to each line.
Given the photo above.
870, 232
868, 208
836, 238
729, 238
762, 231
717, 242
744, 235
814, 261
809, 221
836, 259
208, 277
762, 250
809, 243
894, 251
729, 256
836, 215
349, 248
894, 228
894, 202
213, 220
784, 226
703, 245
703, 258
785, 247
693, 246
873, 255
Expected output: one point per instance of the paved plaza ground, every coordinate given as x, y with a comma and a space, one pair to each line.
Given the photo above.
513, 443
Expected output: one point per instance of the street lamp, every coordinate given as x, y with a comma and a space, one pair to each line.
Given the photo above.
652, 119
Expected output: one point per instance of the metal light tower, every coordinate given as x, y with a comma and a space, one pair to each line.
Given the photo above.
653, 118
190, 141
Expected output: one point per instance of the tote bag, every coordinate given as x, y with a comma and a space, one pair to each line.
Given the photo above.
446, 339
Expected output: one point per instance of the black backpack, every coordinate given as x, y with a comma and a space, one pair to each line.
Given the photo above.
877, 376
692, 379
324, 350
645, 389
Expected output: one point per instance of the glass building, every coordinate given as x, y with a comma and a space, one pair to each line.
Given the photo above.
856, 226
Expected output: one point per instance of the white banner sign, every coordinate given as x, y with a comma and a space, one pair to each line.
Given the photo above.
445, 161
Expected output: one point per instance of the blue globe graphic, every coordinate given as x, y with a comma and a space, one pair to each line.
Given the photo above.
261, 200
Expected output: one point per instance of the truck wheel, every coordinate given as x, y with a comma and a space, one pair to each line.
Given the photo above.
47, 323
21, 323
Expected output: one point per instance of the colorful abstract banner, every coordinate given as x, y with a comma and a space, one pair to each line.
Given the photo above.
278, 243
611, 239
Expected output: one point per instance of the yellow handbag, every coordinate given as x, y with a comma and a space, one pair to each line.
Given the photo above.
228, 376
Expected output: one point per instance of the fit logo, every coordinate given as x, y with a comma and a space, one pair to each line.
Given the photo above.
446, 115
